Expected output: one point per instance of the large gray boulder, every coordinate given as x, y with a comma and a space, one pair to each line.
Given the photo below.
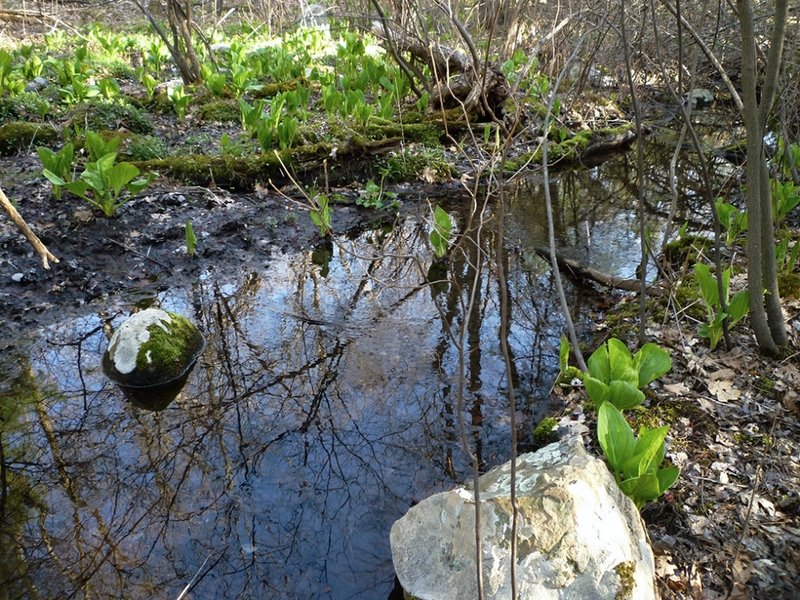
578, 537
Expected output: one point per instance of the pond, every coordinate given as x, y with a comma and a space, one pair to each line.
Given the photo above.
335, 391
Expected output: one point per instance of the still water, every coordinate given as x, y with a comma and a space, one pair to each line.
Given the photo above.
334, 392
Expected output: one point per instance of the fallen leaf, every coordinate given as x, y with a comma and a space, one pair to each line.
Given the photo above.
741, 570
677, 389
428, 175
724, 391
791, 402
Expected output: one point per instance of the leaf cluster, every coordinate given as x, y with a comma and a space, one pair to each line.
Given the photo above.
617, 376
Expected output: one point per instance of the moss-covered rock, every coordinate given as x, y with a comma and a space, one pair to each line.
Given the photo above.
17, 135
152, 348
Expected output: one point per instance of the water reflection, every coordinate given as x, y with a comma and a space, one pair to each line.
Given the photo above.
327, 401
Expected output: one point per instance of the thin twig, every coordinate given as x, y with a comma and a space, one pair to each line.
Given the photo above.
573, 337
193, 580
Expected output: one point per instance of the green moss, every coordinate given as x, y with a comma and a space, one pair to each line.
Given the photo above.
626, 571
104, 115
271, 89
18, 135
27, 106
354, 158
219, 111
543, 432
168, 353
161, 103
568, 151
686, 249
237, 172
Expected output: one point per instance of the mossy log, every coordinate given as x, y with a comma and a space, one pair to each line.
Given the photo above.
19, 135
342, 162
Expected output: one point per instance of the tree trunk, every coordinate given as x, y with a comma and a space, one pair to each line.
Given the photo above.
767, 324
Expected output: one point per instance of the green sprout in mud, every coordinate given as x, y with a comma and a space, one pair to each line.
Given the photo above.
191, 239
321, 214
104, 183
57, 166
180, 101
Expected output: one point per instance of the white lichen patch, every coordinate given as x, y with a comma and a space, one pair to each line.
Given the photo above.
126, 342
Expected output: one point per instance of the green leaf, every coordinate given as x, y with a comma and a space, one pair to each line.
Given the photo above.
93, 177
621, 362
623, 395
599, 366
134, 187
120, 175
321, 217
47, 157
191, 239
641, 489
563, 355
598, 391
98, 147
708, 285
667, 478
53, 178
615, 436
78, 187
440, 234
738, 307
652, 362
648, 452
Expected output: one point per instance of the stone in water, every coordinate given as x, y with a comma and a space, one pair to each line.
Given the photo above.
152, 348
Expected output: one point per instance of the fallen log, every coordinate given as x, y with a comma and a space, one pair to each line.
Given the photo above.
580, 271
458, 82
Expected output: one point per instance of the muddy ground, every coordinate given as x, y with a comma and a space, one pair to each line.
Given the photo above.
142, 249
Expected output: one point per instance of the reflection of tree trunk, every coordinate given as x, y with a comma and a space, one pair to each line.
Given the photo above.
474, 277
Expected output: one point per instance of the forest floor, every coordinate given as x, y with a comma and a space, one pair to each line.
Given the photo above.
730, 527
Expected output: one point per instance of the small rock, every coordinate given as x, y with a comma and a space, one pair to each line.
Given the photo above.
17, 277
699, 98
37, 84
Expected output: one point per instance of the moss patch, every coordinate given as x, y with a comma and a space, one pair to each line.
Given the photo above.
219, 111
104, 115
543, 433
168, 353
625, 571
16, 136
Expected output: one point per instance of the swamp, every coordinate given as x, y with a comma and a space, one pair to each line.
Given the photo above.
399, 226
